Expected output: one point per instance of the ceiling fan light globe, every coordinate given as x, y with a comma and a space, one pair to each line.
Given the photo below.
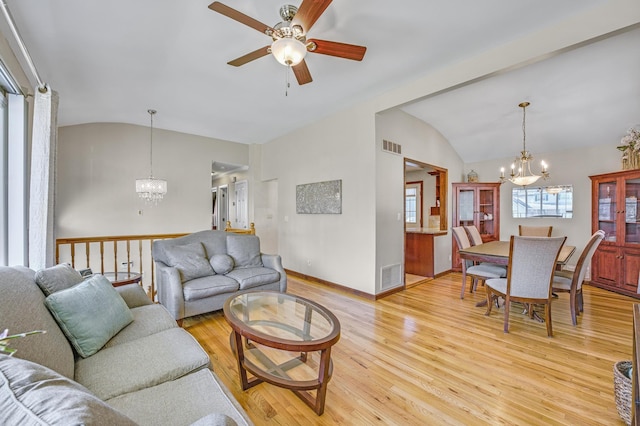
288, 51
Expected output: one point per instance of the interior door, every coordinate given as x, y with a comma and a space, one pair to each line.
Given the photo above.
242, 205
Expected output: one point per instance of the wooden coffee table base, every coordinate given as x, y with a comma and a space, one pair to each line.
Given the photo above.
300, 388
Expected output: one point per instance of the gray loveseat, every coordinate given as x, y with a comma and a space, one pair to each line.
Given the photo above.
149, 371
196, 273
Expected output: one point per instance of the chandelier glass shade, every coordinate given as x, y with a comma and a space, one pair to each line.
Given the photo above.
521, 173
151, 190
288, 51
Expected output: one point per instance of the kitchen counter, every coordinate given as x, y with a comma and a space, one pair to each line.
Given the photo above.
432, 231
418, 250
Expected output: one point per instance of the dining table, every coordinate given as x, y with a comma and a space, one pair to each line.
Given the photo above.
498, 252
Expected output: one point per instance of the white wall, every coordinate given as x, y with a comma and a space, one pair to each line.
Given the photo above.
569, 167
98, 164
339, 247
419, 142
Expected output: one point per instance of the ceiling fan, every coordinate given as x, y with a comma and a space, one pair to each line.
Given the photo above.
290, 44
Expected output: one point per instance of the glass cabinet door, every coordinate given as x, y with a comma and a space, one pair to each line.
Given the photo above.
486, 200
466, 207
631, 211
607, 209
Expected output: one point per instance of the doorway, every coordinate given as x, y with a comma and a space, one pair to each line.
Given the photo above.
223, 206
214, 208
425, 217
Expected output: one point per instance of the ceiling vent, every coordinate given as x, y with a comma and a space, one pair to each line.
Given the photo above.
392, 147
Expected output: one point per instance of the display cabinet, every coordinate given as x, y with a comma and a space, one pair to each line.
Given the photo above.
615, 210
476, 204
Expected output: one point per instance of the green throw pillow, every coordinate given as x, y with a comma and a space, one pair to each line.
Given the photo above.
89, 314
31, 394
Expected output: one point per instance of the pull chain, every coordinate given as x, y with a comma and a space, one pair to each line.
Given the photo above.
287, 85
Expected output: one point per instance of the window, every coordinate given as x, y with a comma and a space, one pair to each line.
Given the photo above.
548, 201
13, 169
411, 205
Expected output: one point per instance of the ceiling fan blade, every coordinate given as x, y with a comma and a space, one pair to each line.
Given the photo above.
341, 50
229, 12
309, 12
302, 73
259, 53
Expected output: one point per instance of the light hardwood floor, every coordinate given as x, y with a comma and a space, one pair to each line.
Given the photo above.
424, 356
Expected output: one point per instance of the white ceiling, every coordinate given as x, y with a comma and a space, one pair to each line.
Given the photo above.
583, 97
111, 61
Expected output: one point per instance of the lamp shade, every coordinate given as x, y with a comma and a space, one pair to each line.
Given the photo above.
288, 51
151, 189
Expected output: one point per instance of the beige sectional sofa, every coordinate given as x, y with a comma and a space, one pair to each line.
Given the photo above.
90, 369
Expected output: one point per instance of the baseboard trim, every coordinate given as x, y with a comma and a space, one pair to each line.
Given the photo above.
353, 291
331, 285
442, 274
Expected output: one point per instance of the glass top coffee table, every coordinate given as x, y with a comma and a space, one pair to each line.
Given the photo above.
287, 342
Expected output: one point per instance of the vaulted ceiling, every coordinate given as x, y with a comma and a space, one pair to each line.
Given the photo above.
111, 61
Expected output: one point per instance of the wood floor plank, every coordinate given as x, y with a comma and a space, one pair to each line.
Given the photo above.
424, 356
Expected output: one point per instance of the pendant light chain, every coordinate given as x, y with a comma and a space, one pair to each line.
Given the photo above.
151, 113
524, 131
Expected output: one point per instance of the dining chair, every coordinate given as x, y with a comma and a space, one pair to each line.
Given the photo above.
474, 235
534, 231
571, 281
532, 261
478, 273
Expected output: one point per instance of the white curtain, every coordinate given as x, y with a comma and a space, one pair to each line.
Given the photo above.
43, 172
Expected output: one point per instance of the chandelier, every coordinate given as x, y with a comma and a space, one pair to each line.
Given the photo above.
151, 190
521, 173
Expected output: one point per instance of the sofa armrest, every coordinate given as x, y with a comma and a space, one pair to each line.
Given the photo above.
169, 286
134, 295
274, 261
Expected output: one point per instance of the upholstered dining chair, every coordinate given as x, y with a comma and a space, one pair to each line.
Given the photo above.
532, 261
478, 273
474, 235
571, 281
534, 231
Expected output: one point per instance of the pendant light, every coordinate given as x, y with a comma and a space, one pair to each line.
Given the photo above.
151, 190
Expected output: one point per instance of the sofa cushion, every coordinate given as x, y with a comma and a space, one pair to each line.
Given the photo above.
208, 286
244, 249
221, 263
253, 277
147, 361
31, 394
147, 320
89, 314
56, 278
200, 394
190, 260
22, 309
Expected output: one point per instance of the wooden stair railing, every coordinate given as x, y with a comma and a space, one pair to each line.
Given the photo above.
251, 230
115, 253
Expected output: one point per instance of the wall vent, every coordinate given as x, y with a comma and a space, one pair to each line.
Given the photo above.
390, 276
392, 147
